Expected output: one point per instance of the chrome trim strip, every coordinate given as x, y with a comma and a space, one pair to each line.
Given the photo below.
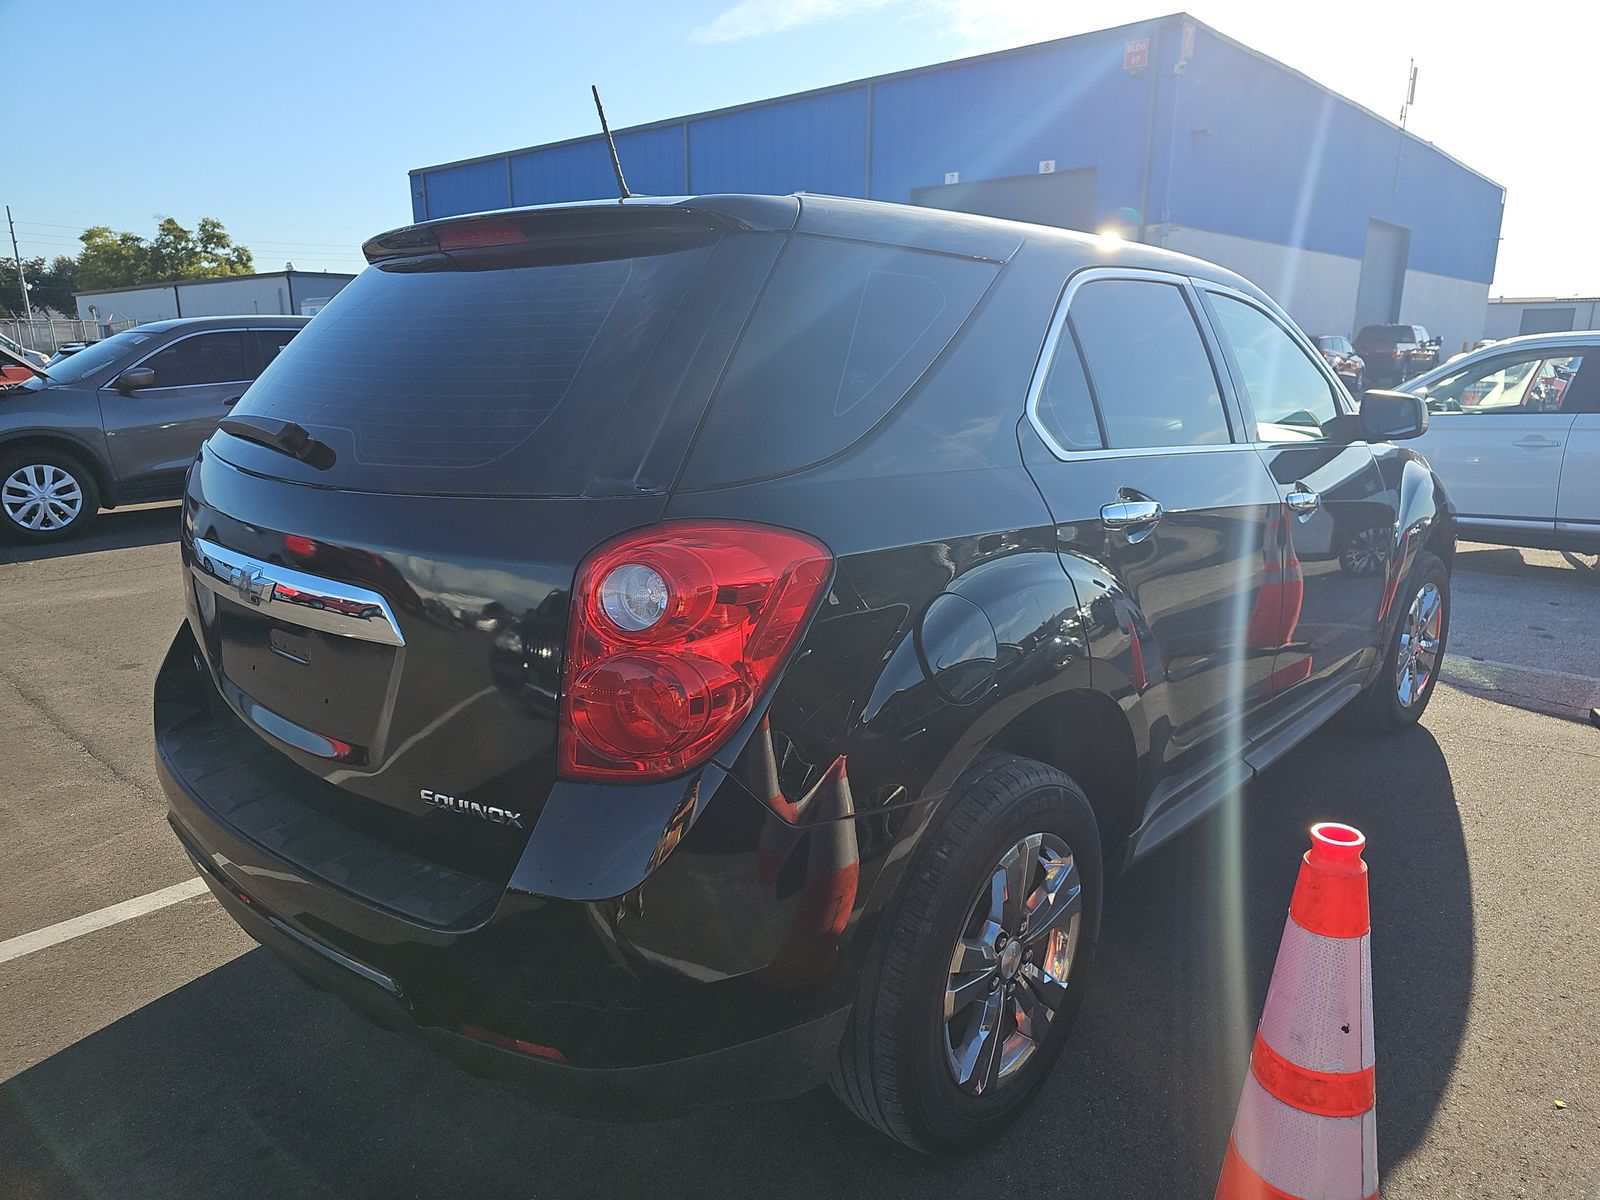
296, 597
1047, 354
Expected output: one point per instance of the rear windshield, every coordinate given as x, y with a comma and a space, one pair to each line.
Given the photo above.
844, 331
475, 379
573, 378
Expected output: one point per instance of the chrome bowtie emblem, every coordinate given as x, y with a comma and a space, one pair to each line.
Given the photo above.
252, 586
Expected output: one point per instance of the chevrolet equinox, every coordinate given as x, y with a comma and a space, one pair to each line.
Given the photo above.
689, 650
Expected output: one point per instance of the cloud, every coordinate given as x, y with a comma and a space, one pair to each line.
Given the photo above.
757, 18
994, 24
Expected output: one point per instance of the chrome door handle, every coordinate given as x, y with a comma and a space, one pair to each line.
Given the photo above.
1302, 502
1536, 441
1130, 514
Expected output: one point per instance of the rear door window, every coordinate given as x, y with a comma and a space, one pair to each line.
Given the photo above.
1066, 406
842, 333
202, 358
268, 343
1147, 364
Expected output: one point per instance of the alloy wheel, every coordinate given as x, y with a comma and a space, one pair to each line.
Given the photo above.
41, 497
1009, 970
1419, 645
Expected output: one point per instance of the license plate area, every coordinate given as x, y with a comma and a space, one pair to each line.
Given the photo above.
335, 688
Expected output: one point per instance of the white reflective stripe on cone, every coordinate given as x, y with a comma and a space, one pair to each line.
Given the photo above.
1312, 1157
1368, 1053
1318, 1013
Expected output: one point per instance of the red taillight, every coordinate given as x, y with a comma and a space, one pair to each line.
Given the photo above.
675, 631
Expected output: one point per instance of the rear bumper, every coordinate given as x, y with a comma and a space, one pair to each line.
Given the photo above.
711, 981
777, 1066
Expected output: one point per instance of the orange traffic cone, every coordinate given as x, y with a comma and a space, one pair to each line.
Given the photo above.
1307, 1125
828, 896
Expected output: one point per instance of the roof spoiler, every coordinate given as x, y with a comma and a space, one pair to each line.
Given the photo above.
577, 225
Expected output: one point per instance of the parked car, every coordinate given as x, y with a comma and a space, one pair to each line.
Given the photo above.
1339, 354
1391, 353
120, 422
67, 350
11, 369
1515, 434
740, 670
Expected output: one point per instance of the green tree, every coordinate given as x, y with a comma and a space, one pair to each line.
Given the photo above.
50, 285
179, 253
118, 259
53, 285
110, 259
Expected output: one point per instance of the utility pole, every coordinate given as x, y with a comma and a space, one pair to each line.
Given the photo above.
17, 257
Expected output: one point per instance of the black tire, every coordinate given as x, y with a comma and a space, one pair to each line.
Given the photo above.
892, 1070
1379, 708
23, 458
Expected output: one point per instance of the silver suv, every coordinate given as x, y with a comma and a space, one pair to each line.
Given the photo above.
120, 422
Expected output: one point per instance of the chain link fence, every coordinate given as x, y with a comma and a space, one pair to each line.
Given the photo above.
48, 334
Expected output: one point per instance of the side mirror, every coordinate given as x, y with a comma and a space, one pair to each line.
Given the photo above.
133, 379
1392, 416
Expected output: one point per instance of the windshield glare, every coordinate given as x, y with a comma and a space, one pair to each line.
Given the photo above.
96, 357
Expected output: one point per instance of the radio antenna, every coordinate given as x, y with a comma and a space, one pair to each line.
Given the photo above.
616, 164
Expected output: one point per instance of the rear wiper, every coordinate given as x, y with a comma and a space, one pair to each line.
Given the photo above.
283, 436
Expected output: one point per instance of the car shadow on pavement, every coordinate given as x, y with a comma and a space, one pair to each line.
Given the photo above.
1537, 566
116, 529
247, 1083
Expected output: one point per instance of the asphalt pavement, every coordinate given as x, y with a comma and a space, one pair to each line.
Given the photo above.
166, 1055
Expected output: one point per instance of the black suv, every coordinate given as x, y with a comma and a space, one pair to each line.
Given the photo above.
742, 669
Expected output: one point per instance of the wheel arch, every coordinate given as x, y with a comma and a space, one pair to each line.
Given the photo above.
62, 443
1084, 734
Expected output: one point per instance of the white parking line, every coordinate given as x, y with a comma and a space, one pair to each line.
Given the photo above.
65, 931
1456, 660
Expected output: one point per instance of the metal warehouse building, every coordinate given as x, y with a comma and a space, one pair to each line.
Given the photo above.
1511, 315
1165, 130
300, 293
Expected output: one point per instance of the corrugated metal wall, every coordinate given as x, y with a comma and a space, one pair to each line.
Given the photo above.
1070, 102
1209, 137
1261, 152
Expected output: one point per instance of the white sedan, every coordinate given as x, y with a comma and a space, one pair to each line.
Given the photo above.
1514, 432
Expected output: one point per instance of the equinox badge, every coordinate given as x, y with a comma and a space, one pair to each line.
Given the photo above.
500, 816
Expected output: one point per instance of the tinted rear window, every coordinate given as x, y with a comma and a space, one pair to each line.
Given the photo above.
453, 380
568, 378
843, 332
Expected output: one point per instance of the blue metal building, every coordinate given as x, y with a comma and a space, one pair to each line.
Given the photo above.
1165, 130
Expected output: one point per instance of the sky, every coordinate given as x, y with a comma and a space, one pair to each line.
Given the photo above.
295, 122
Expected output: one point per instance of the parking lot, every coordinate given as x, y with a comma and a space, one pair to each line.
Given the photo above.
166, 1055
